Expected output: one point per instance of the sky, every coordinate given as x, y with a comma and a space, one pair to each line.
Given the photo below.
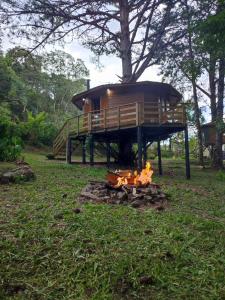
111, 65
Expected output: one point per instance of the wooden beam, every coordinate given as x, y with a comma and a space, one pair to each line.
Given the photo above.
84, 151
108, 153
69, 150
140, 143
145, 151
159, 158
187, 158
92, 150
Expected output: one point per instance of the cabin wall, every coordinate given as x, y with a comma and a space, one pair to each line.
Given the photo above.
87, 106
209, 136
116, 99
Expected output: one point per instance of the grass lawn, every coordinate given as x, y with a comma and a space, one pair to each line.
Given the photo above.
47, 251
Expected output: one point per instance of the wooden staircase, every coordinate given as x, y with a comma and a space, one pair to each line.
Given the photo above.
59, 144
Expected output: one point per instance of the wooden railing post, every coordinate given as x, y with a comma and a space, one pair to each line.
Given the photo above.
160, 112
104, 118
89, 121
173, 121
118, 116
78, 125
184, 114
67, 130
137, 114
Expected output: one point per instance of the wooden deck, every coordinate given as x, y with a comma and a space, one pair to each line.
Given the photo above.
122, 117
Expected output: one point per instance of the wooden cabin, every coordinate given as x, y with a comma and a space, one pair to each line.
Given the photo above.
123, 105
209, 134
140, 112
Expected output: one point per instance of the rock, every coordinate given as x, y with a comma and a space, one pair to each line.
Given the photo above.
160, 208
149, 199
138, 196
77, 210
136, 203
87, 188
106, 198
89, 195
22, 173
121, 196
146, 280
20, 162
58, 216
148, 231
101, 192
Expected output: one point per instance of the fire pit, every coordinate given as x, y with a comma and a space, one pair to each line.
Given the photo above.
126, 187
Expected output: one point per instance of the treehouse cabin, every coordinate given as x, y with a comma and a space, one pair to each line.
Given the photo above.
209, 134
128, 113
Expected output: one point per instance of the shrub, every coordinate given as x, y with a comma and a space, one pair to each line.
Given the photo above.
220, 175
37, 130
10, 141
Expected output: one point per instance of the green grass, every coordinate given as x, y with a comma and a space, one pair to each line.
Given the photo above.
47, 251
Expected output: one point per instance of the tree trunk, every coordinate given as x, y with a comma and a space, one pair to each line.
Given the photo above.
126, 155
125, 41
194, 87
198, 124
218, 151
212, 85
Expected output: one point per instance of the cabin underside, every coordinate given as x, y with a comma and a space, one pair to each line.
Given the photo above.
143, 136
150, 133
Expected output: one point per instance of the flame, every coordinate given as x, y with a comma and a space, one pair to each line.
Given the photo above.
142, 179
121, 181
146, 175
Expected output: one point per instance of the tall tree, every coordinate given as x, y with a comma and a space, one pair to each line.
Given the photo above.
134, 30
180, 63
196, 59
212, 36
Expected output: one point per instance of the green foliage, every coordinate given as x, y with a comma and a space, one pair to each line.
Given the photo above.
10, 141
37, 91
220, 175
212, 32
37, 130
193, 147
166, 153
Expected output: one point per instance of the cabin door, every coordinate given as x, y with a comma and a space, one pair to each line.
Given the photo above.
96, 104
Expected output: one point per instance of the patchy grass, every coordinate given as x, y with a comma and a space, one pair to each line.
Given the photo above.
48, 251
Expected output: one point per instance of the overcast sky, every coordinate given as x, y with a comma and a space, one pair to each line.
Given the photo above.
109, 71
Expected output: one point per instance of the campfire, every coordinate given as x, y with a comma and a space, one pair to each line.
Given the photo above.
127, 177
126, 187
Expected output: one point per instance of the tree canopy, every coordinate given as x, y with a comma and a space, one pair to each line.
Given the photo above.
137, 31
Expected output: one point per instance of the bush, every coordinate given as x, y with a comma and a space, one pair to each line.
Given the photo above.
37, 130
220, 175
167, 153
10, 141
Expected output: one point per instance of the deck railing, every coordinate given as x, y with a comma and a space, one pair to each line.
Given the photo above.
124, 116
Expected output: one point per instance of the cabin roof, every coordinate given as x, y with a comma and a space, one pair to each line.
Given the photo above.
210, 124
160, 87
